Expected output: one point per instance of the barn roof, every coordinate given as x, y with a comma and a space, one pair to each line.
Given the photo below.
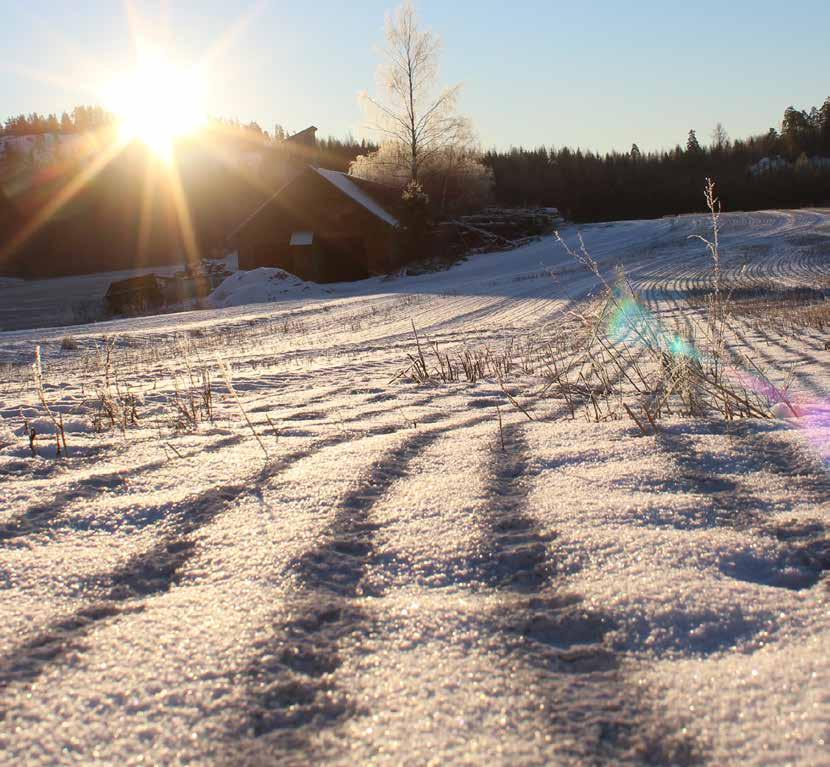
262, 206
342, 182
305, 136
346, 185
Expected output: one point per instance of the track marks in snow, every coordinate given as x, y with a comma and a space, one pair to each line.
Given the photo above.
151, 572
40, 516
293, 677
30, 659
590, 710
726, 498
552, 684
339, 564
515, 554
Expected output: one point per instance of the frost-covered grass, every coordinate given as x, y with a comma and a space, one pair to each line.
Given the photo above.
335, 563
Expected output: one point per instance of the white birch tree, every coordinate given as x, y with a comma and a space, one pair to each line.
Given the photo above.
410, 110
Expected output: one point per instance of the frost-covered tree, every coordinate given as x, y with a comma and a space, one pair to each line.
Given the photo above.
410, 110
424, 139
454, 179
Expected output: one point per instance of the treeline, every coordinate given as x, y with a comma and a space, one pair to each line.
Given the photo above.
332, 152
111, 223
588, 186
81, 119
339, 154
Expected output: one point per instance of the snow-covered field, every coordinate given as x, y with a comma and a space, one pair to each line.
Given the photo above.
61, 300
347, 567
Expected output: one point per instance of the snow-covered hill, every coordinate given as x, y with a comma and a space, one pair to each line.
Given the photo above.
261, 286
44, 148
267, 546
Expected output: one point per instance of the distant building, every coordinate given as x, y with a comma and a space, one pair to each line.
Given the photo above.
135, 295
148, 293
293, 154
323, 226
777, 164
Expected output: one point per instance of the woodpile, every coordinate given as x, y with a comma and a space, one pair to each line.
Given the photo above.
495, 229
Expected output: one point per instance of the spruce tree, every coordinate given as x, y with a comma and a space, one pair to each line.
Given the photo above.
692, 144
824, 115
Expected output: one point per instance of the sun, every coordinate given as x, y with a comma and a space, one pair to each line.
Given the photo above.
157, 103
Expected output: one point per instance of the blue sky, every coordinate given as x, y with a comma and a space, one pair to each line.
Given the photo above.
598, 75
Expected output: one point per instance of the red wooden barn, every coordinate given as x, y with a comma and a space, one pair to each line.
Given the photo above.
323, 226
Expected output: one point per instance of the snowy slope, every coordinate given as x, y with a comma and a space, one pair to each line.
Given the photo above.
42, 148
260, 286
400, 580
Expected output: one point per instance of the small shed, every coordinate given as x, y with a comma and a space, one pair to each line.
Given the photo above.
135, 295
324, 226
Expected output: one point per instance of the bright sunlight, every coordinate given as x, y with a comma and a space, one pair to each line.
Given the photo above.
158, 103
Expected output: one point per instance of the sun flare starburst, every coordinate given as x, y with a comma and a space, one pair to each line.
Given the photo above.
157, 103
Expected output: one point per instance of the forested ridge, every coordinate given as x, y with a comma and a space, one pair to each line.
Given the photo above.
126, 213
107, 226
591, 186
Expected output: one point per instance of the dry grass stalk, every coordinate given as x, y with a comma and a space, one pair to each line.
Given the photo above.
226, 373
60, 434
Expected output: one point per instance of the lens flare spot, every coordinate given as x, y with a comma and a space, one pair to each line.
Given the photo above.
633, 324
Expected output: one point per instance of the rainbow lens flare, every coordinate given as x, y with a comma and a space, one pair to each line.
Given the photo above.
633, 324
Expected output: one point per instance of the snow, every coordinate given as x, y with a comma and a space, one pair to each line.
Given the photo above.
390, 585
60, 301
44, 147
229, 262
259, 286
350, 189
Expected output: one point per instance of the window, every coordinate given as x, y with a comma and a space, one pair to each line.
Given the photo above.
302, 238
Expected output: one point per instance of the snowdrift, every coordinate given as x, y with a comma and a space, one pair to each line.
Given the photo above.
261, 286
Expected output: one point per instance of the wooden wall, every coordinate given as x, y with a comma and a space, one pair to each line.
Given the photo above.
349, 242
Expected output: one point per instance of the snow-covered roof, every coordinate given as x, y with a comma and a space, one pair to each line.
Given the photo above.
336, 178
349, 188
